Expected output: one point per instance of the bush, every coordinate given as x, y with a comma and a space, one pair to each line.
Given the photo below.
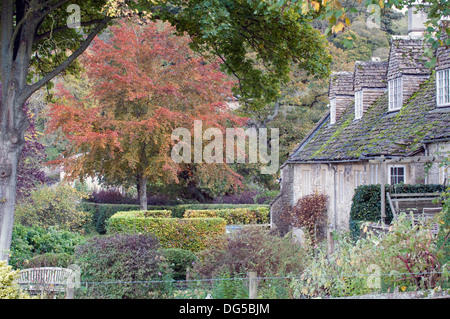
366, 202
308, 213
179, 210
179, 260
28, 242
234, 216
49, 206
100, 213
405, 257
9, 289
132, 260
50, 260
249, 249
189, 234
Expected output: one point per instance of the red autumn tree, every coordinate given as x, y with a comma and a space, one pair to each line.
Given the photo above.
144, 81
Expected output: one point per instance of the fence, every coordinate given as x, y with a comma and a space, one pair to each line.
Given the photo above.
251, 286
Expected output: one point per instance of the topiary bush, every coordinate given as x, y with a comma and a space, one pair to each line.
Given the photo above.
189, 233
123, 266
234, 216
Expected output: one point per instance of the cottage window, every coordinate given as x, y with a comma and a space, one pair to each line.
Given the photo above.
443, 87
396, 174
332, 111
395, 87
358, 104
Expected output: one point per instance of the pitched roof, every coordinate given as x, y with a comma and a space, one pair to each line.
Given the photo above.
379, 132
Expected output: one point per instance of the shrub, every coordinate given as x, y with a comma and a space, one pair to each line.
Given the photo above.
28, 242
249, 249
234, 216
366, 202
9, 289
188, 233
50, 260
179, 210
444, 228
100, 213
308, 213
179, 260
132, 260
405, 257
49, 206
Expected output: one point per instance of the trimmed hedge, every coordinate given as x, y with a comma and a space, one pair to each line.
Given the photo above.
100, 213
366, 202
186, 233
234, 216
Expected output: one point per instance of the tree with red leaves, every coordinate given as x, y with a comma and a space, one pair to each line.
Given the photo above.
144, 83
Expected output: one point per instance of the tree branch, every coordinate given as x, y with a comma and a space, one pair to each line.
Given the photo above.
34, 87
44, 35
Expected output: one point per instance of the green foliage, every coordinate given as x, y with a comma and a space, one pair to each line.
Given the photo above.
366, 202
189, 233
234, 216
55, 207
28, 242
100, 213
444, 228
50, 260
406, 257
130, 259
179, 210
179, 261
257, 40
250, 249
228, 287
9, 289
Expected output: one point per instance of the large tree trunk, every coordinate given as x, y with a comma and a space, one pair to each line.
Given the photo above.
18, 25
142, 192
9, 156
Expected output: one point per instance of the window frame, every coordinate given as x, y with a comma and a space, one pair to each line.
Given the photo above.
443, 87
333, 111
395, 88
358, 104
391, 175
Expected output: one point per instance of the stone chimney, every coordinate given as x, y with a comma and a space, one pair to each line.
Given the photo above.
370, 79
340, 94
417, 18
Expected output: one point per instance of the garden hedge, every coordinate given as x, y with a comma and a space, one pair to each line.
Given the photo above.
100, 213
234, 216
366, 202
184, 233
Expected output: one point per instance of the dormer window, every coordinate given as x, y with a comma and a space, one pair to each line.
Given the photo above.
443, 87
395, 88
358, 104
332, 111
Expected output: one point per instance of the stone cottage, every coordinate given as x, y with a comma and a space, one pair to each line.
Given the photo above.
387, 122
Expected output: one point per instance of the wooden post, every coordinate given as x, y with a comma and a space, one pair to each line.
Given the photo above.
252, 285
383, 192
